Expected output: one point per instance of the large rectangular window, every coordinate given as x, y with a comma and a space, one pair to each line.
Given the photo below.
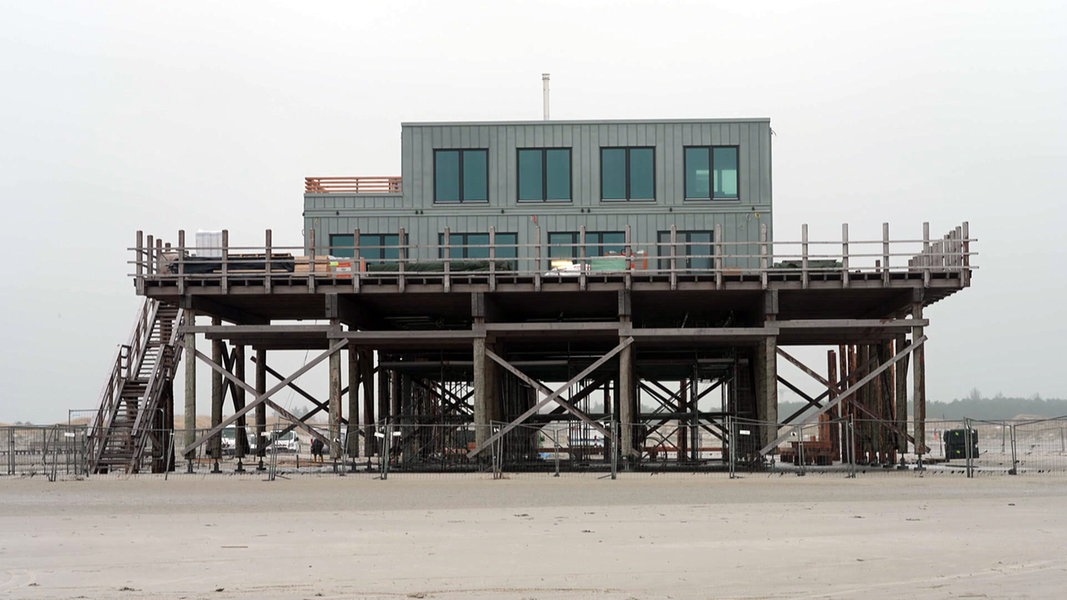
372, 246
692, 251
460, 176
628, 173
476, 245
544, 174
711, 173
567, 244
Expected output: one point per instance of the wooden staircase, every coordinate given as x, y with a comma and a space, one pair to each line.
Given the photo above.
130, 406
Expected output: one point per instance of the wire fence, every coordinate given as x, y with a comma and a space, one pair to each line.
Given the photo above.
50, 451
844, 445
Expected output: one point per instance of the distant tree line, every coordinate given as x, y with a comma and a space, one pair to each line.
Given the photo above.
974, 406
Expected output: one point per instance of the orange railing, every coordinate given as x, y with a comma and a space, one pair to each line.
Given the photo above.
352, 185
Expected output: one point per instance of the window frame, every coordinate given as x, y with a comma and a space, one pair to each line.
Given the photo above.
663, 262
573, 244
711, 174
543, 151
379, 247
628, 174
514, 247
461, 175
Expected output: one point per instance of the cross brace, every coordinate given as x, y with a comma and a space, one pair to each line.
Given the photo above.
551, 395
847, 393
263, 398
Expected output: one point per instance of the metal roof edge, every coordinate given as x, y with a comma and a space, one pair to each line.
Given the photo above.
582, 122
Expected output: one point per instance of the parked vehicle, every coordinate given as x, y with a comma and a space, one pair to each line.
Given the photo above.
284, 442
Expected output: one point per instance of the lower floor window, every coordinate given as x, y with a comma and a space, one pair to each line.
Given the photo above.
568, 244
476, 245
692, 250
372, 246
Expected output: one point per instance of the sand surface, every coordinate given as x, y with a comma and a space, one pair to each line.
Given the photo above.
535, 537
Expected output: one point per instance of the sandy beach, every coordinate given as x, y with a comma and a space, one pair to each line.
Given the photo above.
891, 535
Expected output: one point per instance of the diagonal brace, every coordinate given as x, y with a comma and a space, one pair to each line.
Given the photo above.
849, 392
553, 396
260, 398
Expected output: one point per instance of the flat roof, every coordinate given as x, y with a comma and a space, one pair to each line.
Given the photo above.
583, 122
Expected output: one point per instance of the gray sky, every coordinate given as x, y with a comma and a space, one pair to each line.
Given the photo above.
119, 116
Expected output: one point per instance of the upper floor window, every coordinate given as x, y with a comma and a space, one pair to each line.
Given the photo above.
568, 244
372, 246
544, 174
628, 173
692, 250
711, 172
460, 176
476, 245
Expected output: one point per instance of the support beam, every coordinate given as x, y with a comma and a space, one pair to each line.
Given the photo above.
261, 410
217, 350
627, 404
190, 382
481, 394
900, 376
919, 381
335, 402
767, 388
354, 379
238, 396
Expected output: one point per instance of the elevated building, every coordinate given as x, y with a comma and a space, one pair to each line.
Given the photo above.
613, 281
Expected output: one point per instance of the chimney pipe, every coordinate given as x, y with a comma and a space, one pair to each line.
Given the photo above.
544, 82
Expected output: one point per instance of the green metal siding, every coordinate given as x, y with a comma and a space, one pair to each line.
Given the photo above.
415, 211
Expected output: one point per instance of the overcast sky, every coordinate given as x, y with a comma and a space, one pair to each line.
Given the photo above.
119, 116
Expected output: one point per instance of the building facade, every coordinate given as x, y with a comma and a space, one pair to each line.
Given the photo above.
536, 185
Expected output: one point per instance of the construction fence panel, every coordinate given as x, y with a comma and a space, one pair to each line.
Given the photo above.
50, 450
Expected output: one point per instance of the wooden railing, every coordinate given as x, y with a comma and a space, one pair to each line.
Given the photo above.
803, 260
352, 185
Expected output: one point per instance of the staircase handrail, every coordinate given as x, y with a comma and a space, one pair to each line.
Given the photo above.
141, 337
109, 398
124, 368
170, 353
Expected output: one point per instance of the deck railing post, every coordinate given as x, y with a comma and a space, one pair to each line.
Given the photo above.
446, 250
965, 252
885, 253
402, 252
763, 255
268, 243
844, 255
138, 257
225, 260
717, 258
674, 257
181, 262
159, 255
150, 243
310, 240
537, 259
583, 256
357, 261
804, 256
926, 254
492, 258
